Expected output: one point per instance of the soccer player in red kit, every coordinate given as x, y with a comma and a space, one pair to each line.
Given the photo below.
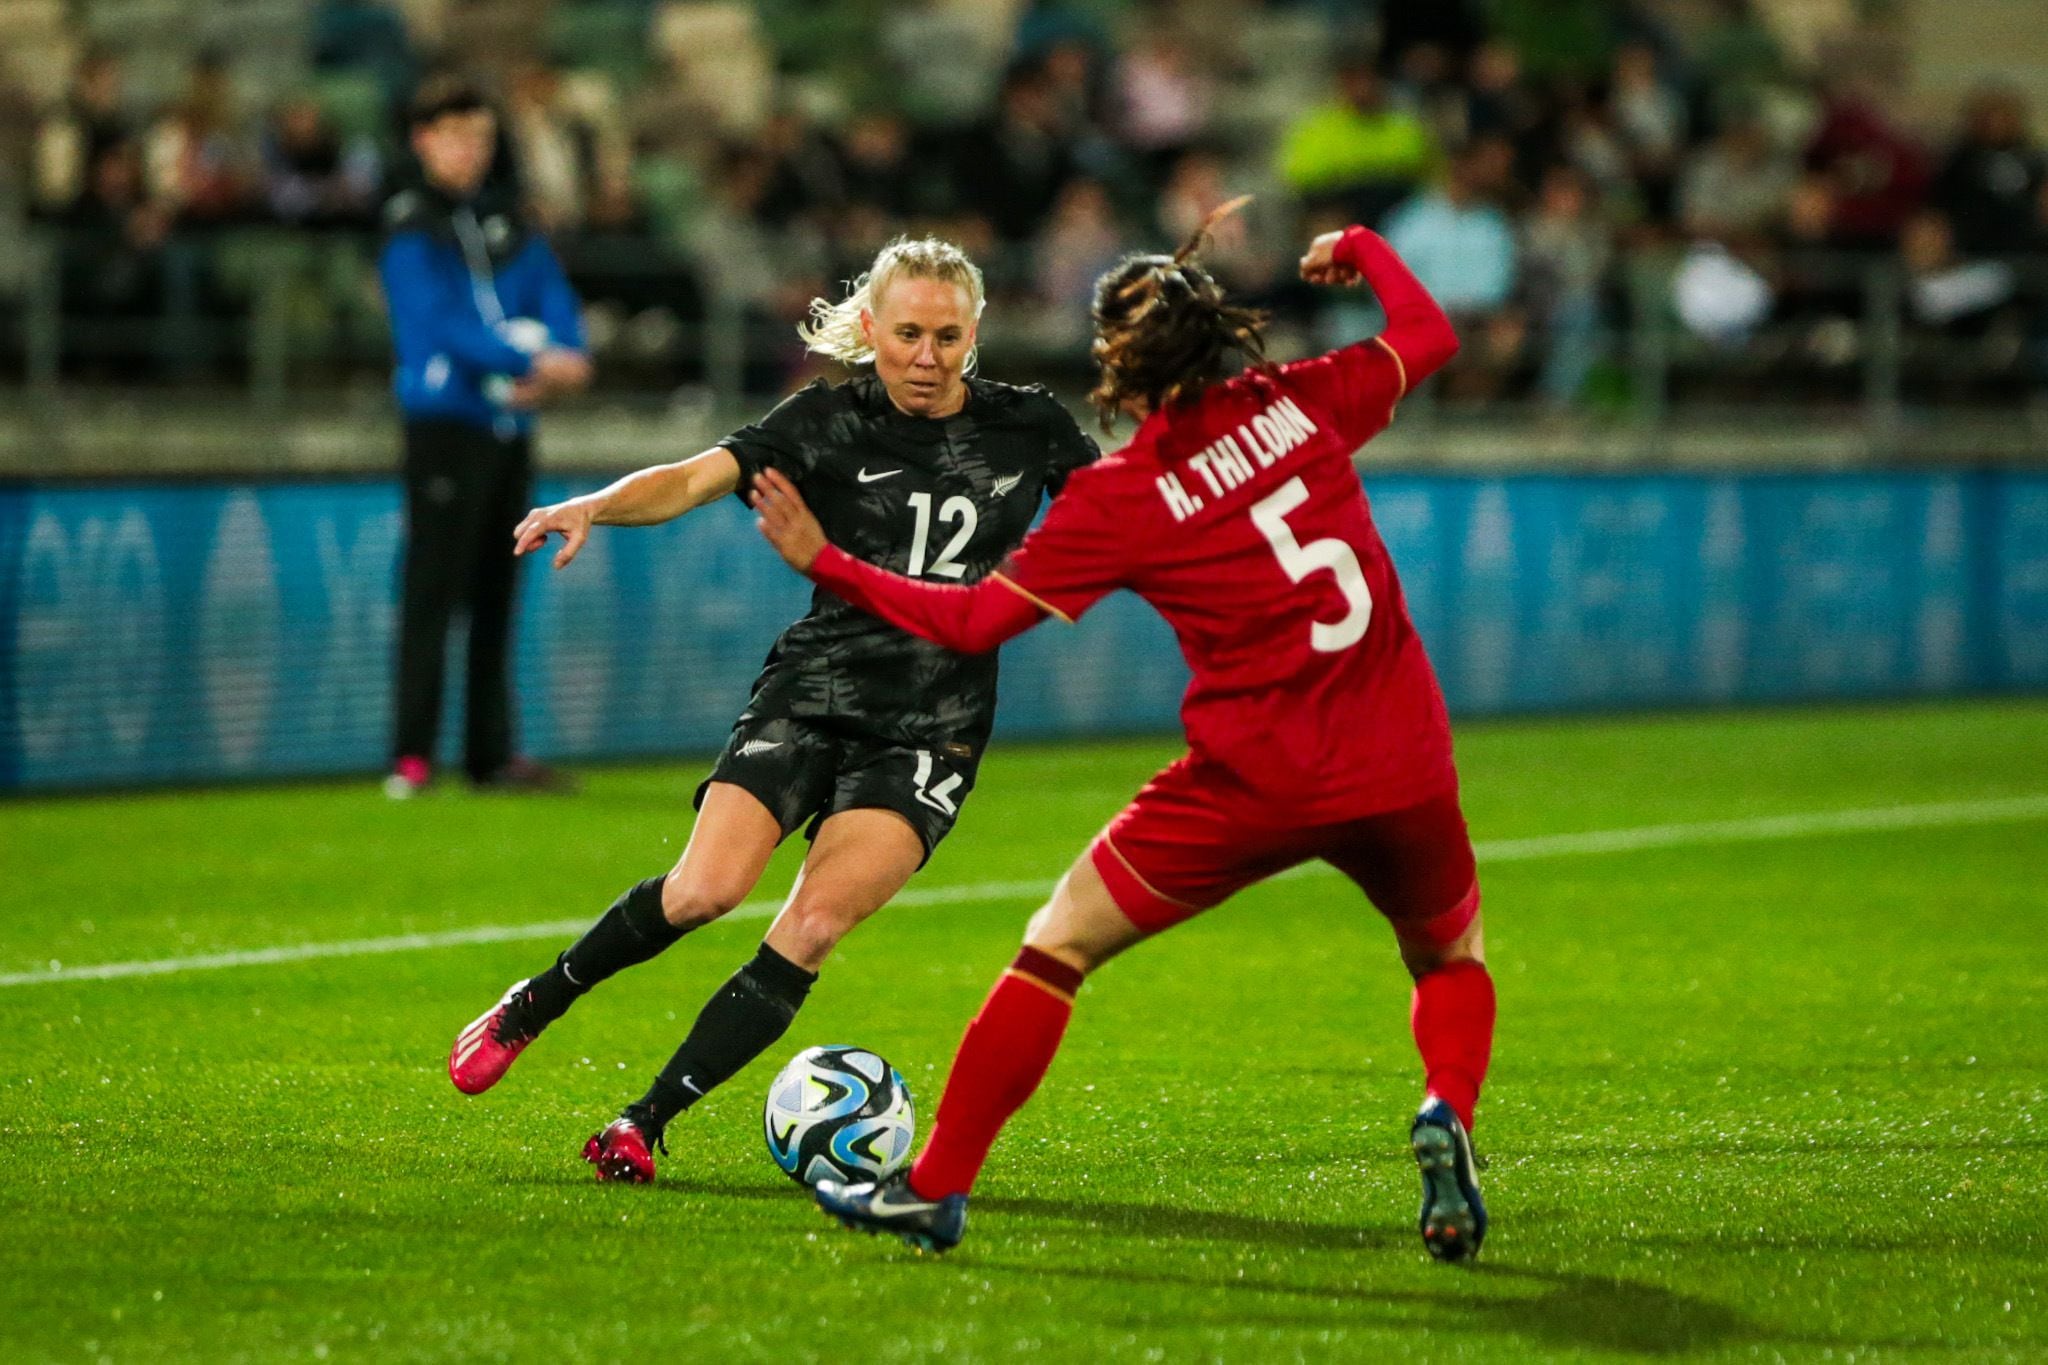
1314, 722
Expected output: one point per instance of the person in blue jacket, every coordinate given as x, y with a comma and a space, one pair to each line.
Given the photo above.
486, 330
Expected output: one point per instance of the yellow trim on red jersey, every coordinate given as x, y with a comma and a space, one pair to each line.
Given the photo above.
1033, 598
1054, 991
1139, 877
1400, 366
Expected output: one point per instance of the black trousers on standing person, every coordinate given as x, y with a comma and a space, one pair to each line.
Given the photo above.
465, 489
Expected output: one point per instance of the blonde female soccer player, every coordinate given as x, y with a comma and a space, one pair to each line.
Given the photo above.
860, 734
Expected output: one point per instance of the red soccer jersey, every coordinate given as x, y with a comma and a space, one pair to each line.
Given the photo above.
1238, 516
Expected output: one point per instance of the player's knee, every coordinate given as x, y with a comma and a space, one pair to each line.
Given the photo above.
1055, 936
807, 933
1421, 954
688, 902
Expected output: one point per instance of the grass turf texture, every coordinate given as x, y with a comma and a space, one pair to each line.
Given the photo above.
1750, 1100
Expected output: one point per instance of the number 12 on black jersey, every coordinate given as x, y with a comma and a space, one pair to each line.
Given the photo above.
953, 509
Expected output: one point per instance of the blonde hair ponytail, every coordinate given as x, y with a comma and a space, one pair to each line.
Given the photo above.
834, 328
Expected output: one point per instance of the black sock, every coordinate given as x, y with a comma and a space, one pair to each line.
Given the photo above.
737, 1024
631, 932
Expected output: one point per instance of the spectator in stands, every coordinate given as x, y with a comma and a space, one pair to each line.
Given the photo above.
1429, 86
1075, 82
1876, 173
1197, 186
486, 329
1356, 151
1162, 98
1943, 291
72, 139
1650, 117
1736, 188
1501, 102
311, 178
1992, 183
1012, 168
1590, 142
110, 267
1080, 241
1462, 247
1454, 235
876, 166
198, 159
1567, 249
806, 180
548, 148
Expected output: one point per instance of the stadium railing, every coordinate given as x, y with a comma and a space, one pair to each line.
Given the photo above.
267, 325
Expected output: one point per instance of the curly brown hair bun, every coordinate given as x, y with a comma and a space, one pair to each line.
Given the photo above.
1163, 329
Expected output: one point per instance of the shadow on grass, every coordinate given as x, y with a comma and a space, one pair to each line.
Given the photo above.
1579, 1312
1582, 1311
1843, 1145
1200, 1225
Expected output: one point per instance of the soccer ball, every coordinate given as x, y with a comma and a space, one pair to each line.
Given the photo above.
838, 1113
527, 335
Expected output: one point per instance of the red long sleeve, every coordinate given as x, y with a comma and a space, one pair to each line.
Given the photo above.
1418, 333
969, 619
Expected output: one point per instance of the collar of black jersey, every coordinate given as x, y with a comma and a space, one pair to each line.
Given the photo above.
422, 207
872, 398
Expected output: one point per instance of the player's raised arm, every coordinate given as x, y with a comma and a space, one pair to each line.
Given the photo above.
970, 619
1417, 332
656, 494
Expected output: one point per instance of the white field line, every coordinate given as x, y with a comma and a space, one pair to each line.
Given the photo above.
1490, 851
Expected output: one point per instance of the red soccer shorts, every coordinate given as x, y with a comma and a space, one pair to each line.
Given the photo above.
1188, 841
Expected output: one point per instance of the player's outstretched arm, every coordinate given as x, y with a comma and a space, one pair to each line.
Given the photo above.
1418, 332
970, 619
660, 493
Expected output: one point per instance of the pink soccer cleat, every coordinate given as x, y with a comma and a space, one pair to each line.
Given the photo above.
410, 776
485, 1050
620, 1152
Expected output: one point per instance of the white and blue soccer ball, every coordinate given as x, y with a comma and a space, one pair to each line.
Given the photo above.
529, 336
839, 1113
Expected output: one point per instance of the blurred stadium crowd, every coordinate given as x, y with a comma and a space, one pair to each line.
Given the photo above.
1556, 170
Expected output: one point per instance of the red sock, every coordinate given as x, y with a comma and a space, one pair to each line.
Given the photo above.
1453, 1022
1000, 1063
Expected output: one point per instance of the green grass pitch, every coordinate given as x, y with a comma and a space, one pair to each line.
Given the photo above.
1752, 1099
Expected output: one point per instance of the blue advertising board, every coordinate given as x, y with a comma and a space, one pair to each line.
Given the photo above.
202, 631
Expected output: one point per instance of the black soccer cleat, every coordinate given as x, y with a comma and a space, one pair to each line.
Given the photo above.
1453, 1220
892, 1206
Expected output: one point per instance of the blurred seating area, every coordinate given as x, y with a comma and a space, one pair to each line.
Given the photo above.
1630, 205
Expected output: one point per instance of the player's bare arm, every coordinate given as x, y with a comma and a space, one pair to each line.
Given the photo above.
645, 498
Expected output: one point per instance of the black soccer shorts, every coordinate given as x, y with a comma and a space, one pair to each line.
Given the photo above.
802, 771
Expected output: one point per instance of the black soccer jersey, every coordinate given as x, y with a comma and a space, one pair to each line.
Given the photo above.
937, 498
